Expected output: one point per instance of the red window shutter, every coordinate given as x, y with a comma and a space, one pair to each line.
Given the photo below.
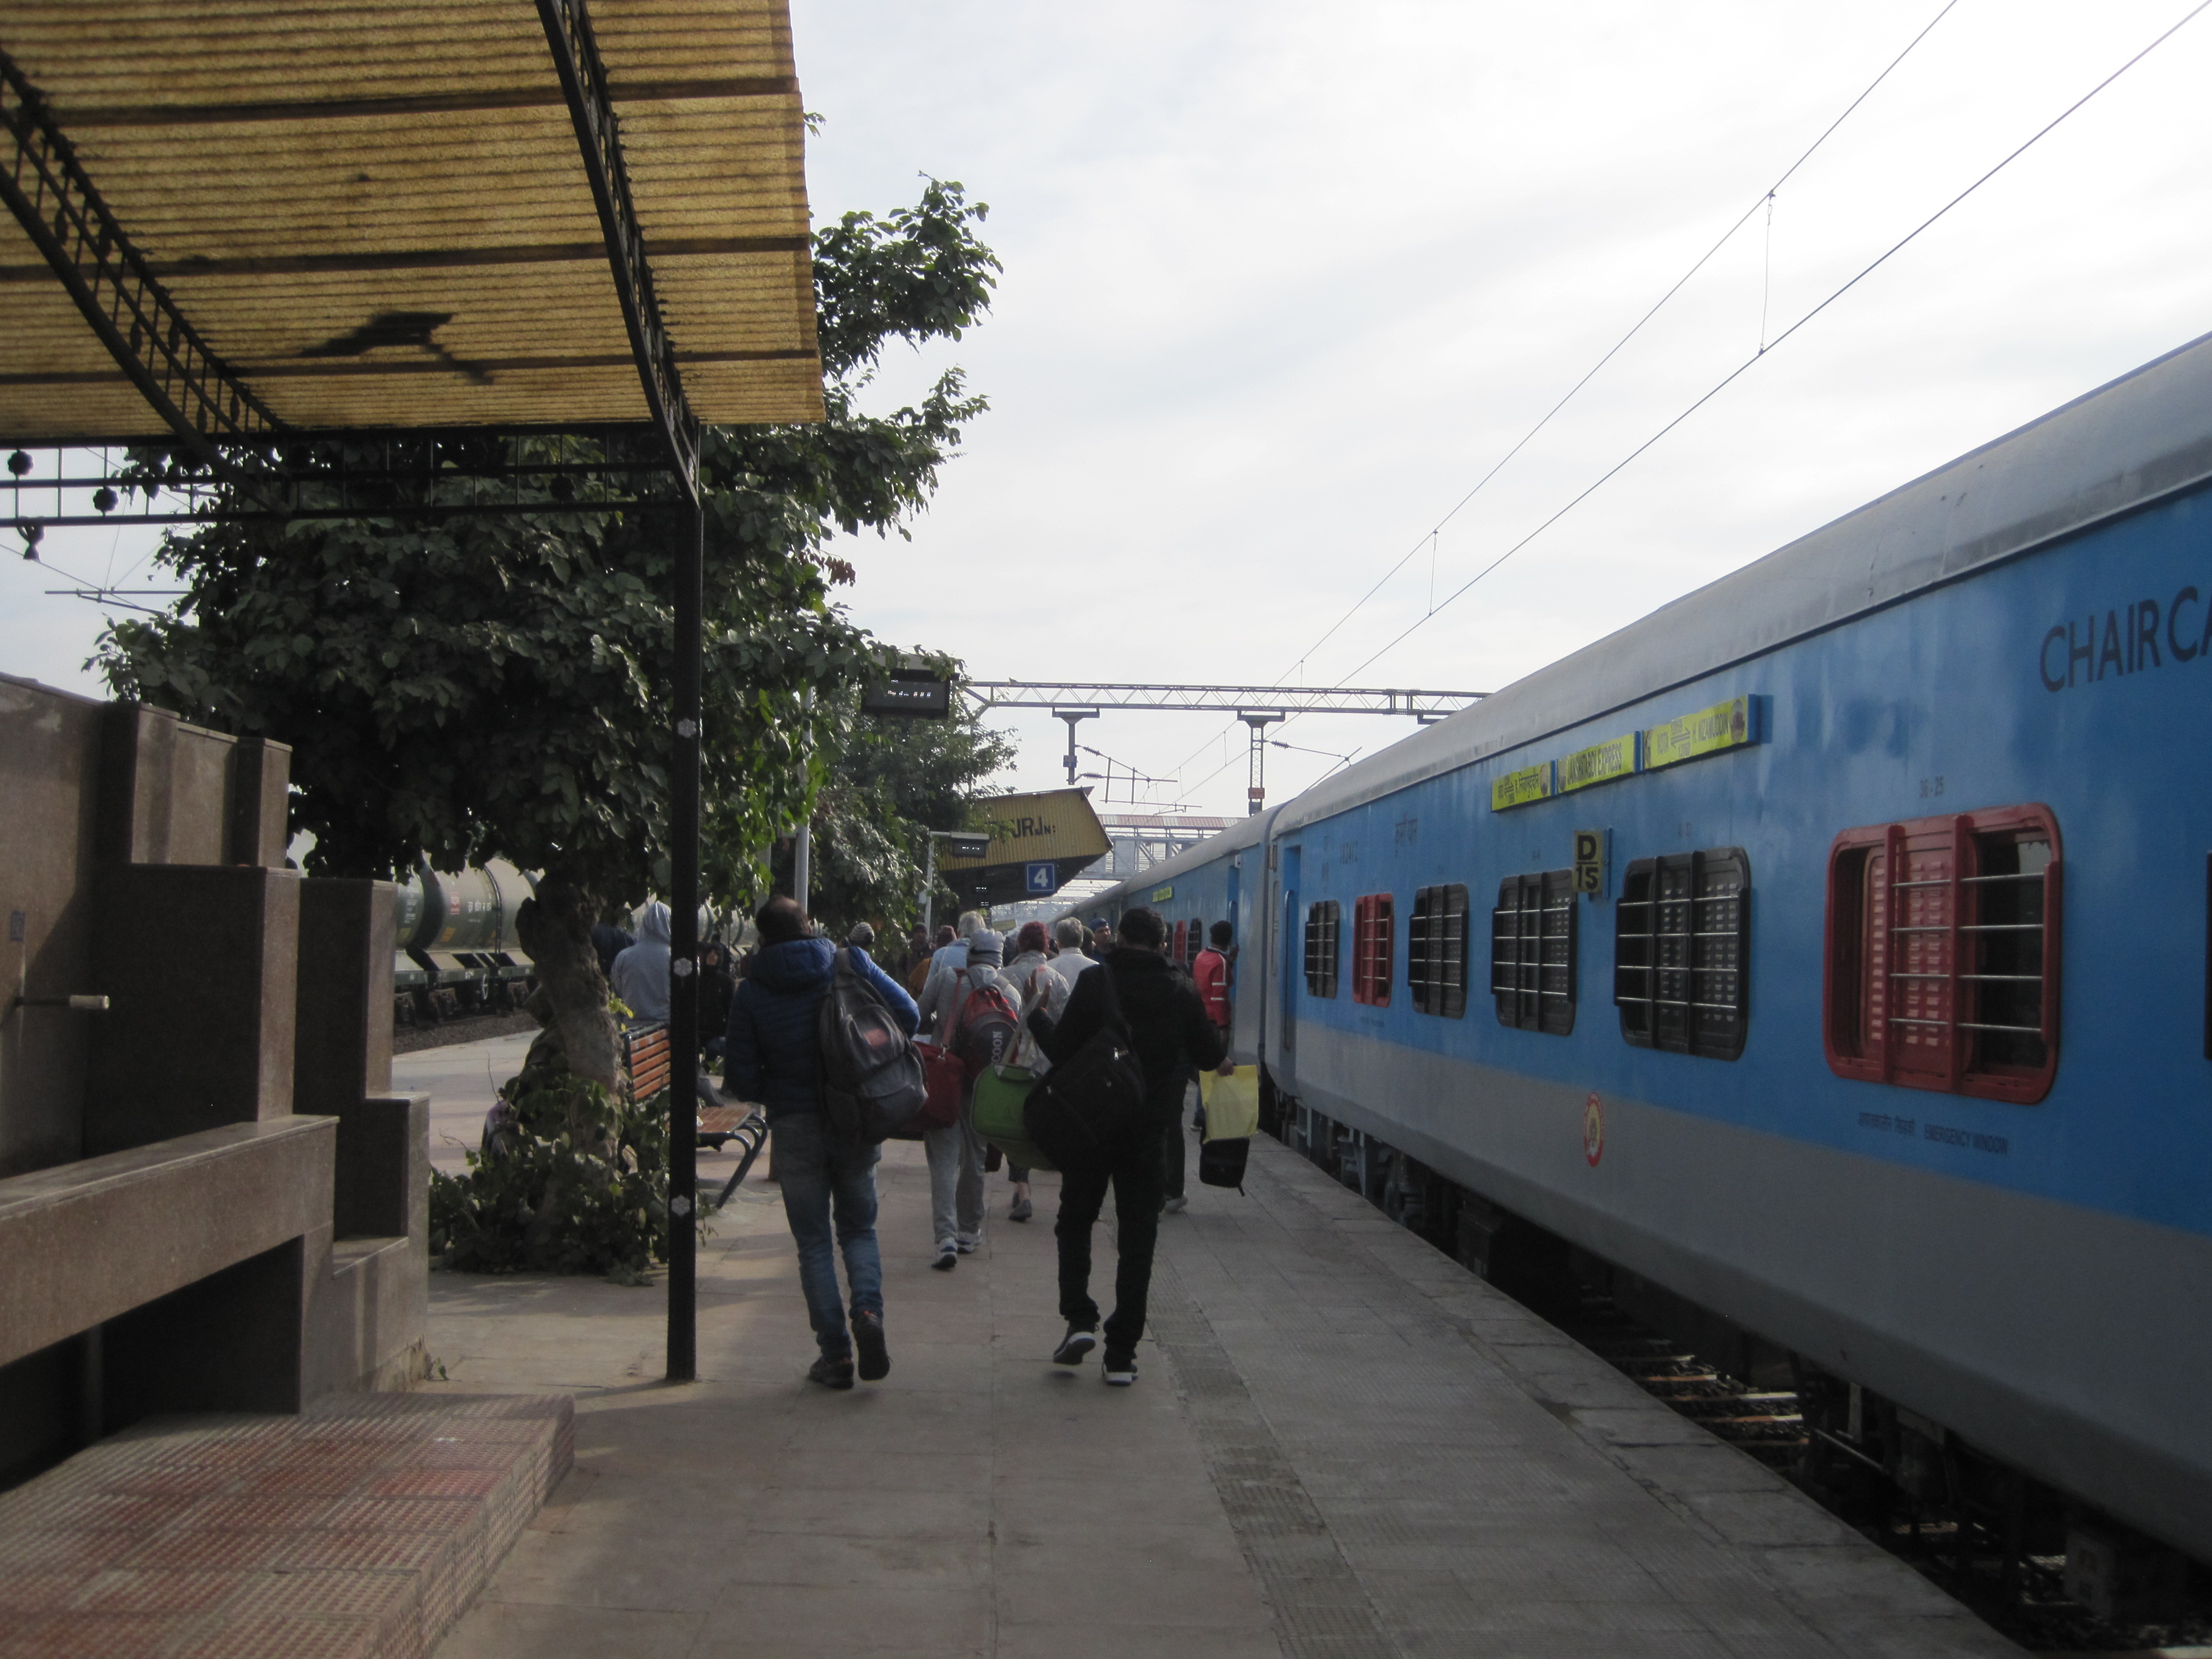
1371, 950
1912, 951
1942, 964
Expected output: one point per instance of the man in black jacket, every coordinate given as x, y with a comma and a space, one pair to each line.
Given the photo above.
1168, 1031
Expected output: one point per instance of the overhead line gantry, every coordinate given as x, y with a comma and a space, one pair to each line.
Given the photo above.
1257, 706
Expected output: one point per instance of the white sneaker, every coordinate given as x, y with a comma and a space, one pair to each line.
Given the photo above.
948, 1257
967, 1245
1176, 1205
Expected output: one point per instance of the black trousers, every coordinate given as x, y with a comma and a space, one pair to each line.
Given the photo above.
1133, 1172
1172, 1151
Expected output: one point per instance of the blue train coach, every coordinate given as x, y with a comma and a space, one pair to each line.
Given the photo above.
1830, 949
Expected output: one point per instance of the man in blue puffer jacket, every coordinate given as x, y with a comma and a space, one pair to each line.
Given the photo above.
773, 1056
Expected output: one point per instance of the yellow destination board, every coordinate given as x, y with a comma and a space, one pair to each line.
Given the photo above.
1602, 762
1724, 726
1057, 827
1530, 783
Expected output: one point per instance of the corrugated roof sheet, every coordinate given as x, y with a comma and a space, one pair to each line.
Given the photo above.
295, 172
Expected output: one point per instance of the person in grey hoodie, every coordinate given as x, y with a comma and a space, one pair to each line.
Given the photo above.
640, 977
948, 973
956, 1151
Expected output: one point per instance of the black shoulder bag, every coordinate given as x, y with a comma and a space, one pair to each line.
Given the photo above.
1088, 1104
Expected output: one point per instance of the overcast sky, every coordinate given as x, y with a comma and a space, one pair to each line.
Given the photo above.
1283, 281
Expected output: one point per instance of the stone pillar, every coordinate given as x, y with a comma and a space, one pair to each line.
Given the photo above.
343, 1064
258, 783
200, 963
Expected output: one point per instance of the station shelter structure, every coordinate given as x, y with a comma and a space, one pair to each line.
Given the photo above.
238, 228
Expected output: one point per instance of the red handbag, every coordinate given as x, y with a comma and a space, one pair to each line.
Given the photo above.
946, 1080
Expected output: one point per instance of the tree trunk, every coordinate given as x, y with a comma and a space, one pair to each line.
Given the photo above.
556, 928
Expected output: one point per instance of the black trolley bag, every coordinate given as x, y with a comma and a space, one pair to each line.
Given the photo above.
1221, 1163
1086, 1105
871, 1077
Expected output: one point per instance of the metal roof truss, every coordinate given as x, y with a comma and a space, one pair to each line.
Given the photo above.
58, 207
584, 79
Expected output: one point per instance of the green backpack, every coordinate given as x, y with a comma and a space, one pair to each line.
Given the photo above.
1001, 1091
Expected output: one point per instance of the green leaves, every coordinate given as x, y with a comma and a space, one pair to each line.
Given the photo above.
577, 1182
919, 274
492, 686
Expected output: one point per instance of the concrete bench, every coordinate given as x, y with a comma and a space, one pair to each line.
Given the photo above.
95, 1239
202, 1272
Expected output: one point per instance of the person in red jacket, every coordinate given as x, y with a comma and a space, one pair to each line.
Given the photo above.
1212, 972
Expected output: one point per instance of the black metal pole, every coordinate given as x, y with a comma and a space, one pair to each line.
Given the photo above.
683, 978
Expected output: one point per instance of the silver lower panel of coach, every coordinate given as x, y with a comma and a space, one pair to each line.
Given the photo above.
2076, 1343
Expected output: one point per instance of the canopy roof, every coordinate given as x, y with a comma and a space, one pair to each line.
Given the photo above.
381, 213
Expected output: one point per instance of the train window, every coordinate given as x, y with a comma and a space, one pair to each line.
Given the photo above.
1321, 924
1532, 952
1436, 951
1942, 957
1683, 952
1194, 942
1370, 949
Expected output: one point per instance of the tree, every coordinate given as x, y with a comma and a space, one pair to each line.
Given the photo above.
888, 783
484, 687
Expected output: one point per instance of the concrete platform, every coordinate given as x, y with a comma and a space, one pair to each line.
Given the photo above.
1342, 1445
360, 1530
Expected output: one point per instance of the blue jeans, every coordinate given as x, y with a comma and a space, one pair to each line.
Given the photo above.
818, 1178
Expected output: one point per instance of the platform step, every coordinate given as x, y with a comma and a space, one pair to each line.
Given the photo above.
361, 1529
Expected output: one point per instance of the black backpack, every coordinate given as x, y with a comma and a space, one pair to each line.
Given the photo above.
871, 1077
1083, 1108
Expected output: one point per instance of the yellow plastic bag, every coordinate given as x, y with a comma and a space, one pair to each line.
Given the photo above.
1232, 1103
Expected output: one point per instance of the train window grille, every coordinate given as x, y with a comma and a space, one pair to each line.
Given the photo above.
1371, 943
1942, 953
1683, 952
1532, 952
1322, 924
1174, 949
1194, 942
1436, 951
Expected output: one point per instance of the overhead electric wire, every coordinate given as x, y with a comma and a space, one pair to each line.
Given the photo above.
1764, 198
1737, 372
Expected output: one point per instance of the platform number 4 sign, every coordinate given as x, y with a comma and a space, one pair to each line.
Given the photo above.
1589, 861
1043, 879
